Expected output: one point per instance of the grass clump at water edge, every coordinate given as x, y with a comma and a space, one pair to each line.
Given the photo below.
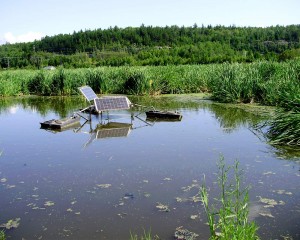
228, 216
2, 235
285, 128
145, 236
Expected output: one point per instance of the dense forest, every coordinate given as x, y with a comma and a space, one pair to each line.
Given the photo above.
148, 45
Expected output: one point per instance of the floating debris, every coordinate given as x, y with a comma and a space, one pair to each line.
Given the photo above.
268, 173
122, 215
3, 180
11, 224
167, 179
145, 181
72, 203
282, 192
49, 204
69, 210
287, 237
129, 195
10, 186
147, 194
162, 207
188, 188
77, 213
270, 202
179, 199
184, 234
195, 198
266, 215
93, 192
194, 217
106, 185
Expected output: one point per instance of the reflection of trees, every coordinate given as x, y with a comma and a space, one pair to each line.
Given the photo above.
62, 106
172, 102
231, 118
287, 152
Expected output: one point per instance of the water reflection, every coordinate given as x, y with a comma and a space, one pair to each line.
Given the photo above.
62, 190
62, 106
107, 130
229, 117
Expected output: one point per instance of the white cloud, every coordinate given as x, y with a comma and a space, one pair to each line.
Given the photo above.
27, 37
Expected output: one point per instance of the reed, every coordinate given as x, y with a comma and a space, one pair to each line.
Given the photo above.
268, 83
285, 128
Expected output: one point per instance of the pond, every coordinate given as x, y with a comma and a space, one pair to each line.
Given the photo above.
98, 182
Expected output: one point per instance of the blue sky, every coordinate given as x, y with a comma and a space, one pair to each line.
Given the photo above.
26, 20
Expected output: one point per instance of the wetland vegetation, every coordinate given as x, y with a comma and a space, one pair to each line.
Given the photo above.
228, 215
266, 83
246, 65
2, 235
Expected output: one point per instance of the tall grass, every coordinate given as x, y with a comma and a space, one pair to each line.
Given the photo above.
130, 80
269, 83
2, 235
145, 236
228, 218
285, 128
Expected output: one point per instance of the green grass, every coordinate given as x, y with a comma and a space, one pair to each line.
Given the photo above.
145, 236
228, 216
285, 128
267, 83
2, 235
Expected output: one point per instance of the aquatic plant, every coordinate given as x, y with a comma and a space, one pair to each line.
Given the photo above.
145, 236
269, 83
285, 128
228, 216
137, 84
58, 82
2, 235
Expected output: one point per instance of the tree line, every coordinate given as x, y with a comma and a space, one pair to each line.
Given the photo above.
148, 45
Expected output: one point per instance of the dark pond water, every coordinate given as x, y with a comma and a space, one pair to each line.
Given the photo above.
97, 183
